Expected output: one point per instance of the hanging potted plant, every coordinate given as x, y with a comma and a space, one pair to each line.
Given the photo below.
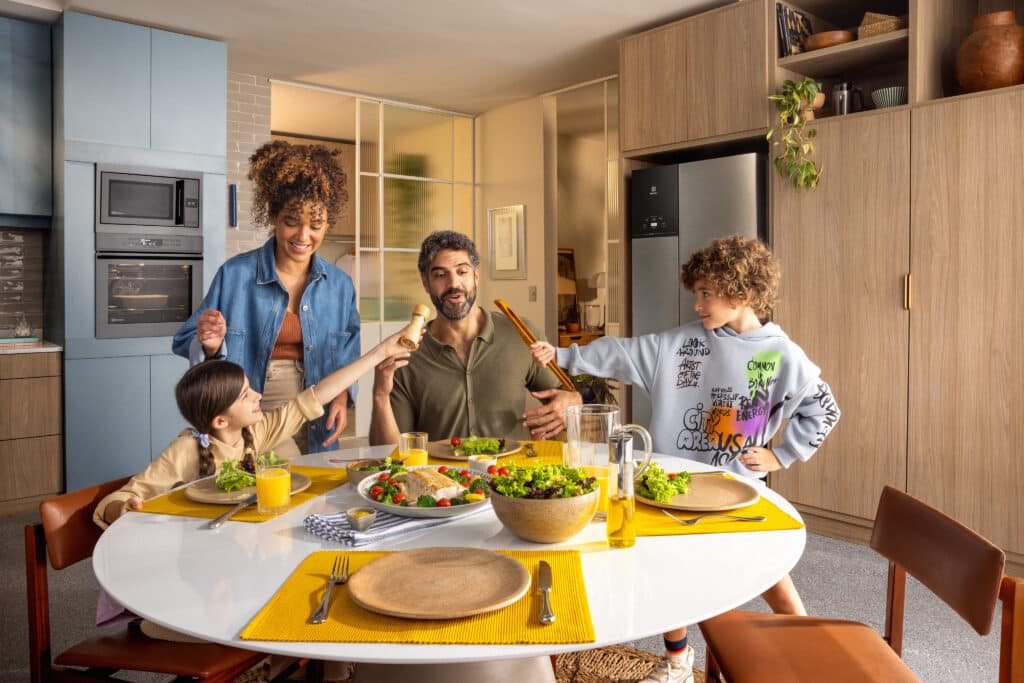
796, 104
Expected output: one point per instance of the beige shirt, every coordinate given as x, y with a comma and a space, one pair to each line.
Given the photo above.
436, 393
179, 462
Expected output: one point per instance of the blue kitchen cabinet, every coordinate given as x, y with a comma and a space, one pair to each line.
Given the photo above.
164, 419
26, 138
104, 67
107, 419
189, 94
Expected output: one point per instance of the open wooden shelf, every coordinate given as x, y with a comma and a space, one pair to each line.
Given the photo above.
830, 61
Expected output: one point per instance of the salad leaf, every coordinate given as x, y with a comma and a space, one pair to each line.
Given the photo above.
660, 486
232, 477
386, 466
543, 481
477, 445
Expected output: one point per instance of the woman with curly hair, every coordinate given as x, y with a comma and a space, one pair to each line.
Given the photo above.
284, 314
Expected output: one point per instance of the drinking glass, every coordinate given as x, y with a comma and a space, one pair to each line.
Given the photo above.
273, 485
412, 448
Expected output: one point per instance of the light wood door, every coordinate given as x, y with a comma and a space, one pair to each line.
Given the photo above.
652, 100
967, 321
844, 249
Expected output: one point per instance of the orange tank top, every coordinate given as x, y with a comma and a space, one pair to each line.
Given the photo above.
289, 340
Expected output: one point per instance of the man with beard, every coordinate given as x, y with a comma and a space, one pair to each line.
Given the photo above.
472, 370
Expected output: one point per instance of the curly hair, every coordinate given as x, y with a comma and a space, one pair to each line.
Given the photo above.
285, 173
736, 268
439, 241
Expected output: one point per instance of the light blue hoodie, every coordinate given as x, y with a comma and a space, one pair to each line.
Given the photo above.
716, 392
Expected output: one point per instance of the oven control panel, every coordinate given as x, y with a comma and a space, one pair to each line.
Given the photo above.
144, 244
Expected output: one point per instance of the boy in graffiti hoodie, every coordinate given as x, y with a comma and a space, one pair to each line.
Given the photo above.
720, 388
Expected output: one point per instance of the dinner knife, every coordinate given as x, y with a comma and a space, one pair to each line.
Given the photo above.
547, 615
246, 502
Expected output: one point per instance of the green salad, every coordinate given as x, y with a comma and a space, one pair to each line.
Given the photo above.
386, 465
543, 481
477, 445
232, 477
660, 486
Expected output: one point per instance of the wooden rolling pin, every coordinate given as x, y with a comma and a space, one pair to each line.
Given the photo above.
529, 338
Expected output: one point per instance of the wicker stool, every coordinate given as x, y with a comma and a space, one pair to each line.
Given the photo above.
613, 664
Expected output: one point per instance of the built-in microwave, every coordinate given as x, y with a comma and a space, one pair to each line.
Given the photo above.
161, 202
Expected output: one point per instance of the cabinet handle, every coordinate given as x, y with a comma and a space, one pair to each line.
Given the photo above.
908, 291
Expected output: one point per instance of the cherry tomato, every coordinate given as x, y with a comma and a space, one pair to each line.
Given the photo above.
503, 471
383, 476
466, 473
376, 492
673, 475
456, 442
442, 469
398, 498
444, 503
492, 469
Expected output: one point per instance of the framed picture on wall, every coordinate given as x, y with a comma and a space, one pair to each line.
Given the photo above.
507, 237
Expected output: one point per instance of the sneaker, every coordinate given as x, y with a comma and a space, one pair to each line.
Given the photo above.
669, 671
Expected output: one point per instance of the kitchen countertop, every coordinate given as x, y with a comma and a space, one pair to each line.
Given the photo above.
45, 347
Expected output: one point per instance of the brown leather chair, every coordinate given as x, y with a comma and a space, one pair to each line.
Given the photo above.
962, 568
68, 534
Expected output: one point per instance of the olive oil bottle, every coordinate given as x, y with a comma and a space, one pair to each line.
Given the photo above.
621, 528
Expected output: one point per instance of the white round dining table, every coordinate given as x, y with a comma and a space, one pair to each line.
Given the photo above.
175, 572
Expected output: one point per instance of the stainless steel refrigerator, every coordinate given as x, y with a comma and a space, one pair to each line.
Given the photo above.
675, 211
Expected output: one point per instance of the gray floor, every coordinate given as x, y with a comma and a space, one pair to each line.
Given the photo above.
835, 579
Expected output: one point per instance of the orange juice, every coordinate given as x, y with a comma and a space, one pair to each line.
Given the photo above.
601, 474
273, 490
413, 457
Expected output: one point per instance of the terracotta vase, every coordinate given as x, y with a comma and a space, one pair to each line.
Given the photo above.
993, 55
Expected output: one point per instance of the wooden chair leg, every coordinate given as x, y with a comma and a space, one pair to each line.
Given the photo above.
713, 672
314, 671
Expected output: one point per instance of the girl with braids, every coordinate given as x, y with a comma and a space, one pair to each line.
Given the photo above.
280, 311
224, 410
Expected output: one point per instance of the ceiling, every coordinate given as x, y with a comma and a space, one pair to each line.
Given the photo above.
460, 55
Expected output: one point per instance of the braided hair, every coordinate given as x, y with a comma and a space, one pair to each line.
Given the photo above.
284, 173
206, 391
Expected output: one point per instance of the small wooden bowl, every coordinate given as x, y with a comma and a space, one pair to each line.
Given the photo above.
356, 475
545, 520
817, 41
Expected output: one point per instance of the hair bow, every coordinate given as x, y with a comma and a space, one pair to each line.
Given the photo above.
203, 439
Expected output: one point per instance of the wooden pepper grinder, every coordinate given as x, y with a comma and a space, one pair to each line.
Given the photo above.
410, 339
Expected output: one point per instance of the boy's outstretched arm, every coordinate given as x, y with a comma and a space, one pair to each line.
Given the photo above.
542, 352
810, 422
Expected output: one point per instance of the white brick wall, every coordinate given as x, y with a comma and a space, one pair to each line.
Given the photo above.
248, 128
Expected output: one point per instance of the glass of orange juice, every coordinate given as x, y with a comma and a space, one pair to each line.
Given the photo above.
273, 484
601, 474
412, 448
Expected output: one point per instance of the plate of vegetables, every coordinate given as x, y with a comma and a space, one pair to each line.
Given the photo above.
234, 482
461, 447
425, 491
680, 491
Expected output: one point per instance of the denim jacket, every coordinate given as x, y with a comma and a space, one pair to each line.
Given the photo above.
247, 291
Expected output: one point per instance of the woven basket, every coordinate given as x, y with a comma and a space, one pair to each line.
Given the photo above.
612, 664
875, 23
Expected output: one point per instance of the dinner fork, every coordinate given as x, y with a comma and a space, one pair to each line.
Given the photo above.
339, 574
694, 520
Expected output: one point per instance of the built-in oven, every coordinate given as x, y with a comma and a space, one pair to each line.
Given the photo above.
146, 285
162, 201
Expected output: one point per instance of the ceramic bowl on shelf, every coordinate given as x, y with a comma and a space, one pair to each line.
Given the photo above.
893, 96
817, 41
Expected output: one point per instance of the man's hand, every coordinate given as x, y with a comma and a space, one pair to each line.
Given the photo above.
210, 330
337, 418
384, 376
760, 459
549, 419
117, 508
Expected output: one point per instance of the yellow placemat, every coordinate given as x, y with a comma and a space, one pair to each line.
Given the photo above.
651, 521
284, 617
548, 453
177, 503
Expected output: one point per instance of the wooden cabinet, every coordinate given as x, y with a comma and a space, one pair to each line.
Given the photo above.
844, 250
30, 429
966, 365
566, 339
702, 77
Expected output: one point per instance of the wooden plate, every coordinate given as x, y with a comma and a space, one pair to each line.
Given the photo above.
442, 450
439, 583
709, 494
817, 41
206, 491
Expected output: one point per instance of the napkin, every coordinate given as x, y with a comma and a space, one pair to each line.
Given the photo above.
335, 527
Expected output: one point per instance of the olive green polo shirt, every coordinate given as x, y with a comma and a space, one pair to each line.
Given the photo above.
439, 395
